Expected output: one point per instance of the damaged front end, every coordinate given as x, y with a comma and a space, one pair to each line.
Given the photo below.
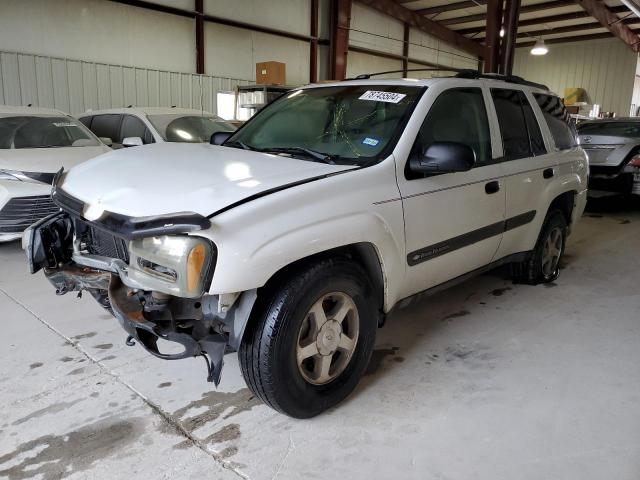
156, 298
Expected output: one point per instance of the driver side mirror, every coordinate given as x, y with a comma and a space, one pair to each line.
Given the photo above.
106, 140
218, 138
443, 157
132, 142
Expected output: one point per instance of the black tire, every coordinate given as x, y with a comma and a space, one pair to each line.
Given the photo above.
531, 270
267, 353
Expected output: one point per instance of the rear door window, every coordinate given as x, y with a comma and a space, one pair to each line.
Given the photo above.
558, 120
535, 136
513, 125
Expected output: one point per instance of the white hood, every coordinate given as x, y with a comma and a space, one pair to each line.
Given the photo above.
47, 160
168, 178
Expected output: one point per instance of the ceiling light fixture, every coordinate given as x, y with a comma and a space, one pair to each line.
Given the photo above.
539, 48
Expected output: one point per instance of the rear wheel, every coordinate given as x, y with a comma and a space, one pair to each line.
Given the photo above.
543, 264
312, 339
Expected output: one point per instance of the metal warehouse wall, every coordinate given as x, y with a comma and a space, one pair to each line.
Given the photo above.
376, 31
75, 86
604, 68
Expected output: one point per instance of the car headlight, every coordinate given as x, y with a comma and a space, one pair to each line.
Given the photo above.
11, 175
181, 264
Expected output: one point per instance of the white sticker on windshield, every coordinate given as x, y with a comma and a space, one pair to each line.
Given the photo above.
64, 124
376, 96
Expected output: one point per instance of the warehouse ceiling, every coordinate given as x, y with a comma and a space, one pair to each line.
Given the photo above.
556, 21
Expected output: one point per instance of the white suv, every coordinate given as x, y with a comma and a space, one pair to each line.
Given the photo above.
291, 241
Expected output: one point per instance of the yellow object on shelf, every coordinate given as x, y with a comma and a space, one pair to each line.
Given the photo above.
573, 95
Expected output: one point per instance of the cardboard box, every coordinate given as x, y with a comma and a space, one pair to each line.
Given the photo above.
573, 95
271, 73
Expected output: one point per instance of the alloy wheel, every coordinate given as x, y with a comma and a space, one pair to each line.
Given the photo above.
327, 338
551, 252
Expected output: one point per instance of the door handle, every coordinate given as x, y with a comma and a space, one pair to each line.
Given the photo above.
548, 173
492, 187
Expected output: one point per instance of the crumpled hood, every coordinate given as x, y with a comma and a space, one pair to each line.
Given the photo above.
166, 178
47, 160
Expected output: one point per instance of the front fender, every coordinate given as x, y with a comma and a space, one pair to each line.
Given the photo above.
257, 239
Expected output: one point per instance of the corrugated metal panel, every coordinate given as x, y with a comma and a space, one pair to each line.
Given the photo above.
604, 68
75, 86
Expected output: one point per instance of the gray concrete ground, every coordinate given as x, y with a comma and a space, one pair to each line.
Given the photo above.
488, 380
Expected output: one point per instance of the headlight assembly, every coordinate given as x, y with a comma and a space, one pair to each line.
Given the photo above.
178, 265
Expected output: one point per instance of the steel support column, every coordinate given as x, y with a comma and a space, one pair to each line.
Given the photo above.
199, 36
313, 44
511, 14
405, 50
340, 21
492, 37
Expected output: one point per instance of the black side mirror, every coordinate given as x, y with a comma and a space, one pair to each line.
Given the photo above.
218, 138
444, 157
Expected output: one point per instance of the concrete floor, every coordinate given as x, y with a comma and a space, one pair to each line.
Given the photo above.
488, 380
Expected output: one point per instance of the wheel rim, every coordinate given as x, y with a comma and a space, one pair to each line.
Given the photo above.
327, 338
552, 252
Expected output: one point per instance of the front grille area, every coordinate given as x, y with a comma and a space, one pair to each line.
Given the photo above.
20, 212
105, 244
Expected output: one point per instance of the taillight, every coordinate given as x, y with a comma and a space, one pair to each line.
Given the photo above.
635, 161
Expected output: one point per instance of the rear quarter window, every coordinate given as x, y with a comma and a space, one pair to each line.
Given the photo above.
558, 120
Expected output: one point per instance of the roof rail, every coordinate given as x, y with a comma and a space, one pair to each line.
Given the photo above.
474, 74
366, 76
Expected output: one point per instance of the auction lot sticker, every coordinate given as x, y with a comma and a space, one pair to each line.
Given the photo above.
376, 96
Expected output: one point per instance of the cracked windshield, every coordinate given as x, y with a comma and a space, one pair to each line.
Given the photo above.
353, 125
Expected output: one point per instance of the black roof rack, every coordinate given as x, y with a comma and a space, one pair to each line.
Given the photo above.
460, 73
366, 76
474, 74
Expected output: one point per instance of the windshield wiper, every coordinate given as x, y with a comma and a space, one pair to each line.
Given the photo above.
237, 143
319, 156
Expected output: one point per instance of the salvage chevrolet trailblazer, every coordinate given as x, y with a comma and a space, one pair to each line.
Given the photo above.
290, 239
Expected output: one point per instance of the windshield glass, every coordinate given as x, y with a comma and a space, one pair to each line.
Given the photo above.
189, 128
615, 129
44, 132
355, 125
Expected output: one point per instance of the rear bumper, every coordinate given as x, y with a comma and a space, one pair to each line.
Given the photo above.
625, 181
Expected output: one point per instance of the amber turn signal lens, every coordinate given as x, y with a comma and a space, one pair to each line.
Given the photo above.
195, 262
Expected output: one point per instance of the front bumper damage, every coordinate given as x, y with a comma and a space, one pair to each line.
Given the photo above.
168, 327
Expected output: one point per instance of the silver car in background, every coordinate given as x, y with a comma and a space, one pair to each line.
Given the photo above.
613, 146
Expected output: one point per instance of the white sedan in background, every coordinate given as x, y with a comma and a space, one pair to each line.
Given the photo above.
34, 144
133, 126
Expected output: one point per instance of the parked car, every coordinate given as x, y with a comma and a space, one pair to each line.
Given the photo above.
292, 240
613, 146
130, 127
34, 144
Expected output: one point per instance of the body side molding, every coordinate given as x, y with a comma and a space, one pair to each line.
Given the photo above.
469, 238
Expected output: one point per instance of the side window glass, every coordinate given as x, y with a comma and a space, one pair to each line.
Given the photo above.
86, 121
106, 126
558, 120
535, 136
513, 126
458, 115
134, 127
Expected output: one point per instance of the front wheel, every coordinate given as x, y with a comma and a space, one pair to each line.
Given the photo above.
312, 338
543, 264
